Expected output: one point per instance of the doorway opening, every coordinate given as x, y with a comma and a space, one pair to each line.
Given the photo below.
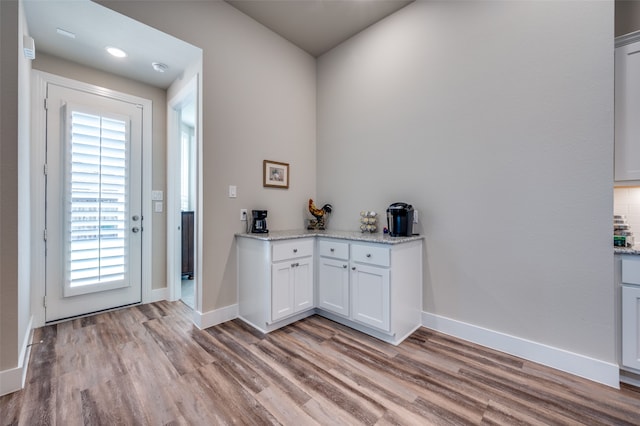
182, 197
187, 199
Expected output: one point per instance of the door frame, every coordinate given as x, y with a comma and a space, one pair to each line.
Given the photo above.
187, 93
39, 82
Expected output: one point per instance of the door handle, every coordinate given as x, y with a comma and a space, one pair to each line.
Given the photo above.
135, 229
135, 218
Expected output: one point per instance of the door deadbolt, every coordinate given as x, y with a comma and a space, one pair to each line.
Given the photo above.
135, 217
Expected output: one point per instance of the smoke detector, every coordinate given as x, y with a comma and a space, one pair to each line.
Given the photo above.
159, 66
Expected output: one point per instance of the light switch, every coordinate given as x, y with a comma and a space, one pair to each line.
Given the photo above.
233, 191
157, 206
157, 195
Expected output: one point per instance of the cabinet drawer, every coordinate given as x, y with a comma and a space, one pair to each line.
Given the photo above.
333, 248
374, 255
292, 249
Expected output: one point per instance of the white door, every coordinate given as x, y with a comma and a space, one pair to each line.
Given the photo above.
370, 297
303, 284
93, 203
282, 290
333, 286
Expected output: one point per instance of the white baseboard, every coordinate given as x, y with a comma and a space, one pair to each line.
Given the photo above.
218, 316
560, 359
13, 379
158, 294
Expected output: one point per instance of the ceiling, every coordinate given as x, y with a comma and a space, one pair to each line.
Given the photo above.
96, 27
317, 26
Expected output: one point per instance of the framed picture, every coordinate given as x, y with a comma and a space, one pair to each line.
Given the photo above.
275, 174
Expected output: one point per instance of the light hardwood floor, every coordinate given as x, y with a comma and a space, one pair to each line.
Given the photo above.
149, 365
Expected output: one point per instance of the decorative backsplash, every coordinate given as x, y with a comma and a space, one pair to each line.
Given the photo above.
626, 201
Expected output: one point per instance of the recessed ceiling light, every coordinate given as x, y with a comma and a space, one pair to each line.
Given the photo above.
114, 51
65, 33
159, 66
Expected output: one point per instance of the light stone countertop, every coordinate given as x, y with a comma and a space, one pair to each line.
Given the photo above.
627, 250
342, 235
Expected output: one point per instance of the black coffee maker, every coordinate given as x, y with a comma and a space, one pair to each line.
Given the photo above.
400, 220
259, 222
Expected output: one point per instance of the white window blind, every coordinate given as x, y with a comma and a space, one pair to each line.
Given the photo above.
96, 204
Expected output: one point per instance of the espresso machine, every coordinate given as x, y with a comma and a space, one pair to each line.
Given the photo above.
400, 220
259, 222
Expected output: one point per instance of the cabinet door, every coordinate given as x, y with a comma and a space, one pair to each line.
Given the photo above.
370, 298
627, 105
631, 327
282, 302
303, 284
333, 286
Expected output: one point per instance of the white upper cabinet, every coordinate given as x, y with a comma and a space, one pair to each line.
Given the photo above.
627, 112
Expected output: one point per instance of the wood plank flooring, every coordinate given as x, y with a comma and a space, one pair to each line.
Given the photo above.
148, 365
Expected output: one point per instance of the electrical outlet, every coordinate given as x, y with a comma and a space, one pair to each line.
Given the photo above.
415, 216
243, 214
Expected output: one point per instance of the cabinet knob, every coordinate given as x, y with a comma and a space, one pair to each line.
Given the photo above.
353, 268
344, 266
332, 250
368, 254
295, 250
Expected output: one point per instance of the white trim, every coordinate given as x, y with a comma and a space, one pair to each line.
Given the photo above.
560, 359
627, 39
158, 294
215, 317
40, 79
13, 379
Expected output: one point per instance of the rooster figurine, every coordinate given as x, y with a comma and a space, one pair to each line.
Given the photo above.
319, 215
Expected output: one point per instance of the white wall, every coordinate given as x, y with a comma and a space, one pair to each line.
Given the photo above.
24, 187
495, 119
15, 285
258, 103
9, 315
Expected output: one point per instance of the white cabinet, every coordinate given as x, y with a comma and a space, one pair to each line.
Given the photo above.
627, 111
291, 287
333, 285
631, 327
370, 293
630, 279
333, 276
373, 287
275, 281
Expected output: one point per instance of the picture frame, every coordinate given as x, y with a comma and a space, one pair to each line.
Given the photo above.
275, 174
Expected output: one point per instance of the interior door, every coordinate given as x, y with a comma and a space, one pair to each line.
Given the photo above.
93, 203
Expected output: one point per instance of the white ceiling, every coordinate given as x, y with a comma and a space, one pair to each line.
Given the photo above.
317, 26
95, 28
